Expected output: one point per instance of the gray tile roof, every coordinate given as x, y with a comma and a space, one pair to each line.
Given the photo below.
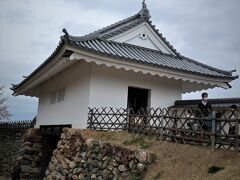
216, 103
137, 54
96, 42
124, 25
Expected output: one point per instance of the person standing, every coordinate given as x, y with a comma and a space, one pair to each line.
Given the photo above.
206, 109
231, 125
16, 172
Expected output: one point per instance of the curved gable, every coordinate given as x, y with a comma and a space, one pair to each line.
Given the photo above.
143, 35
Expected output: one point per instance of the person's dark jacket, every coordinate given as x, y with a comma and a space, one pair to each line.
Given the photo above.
206, 109
16, 172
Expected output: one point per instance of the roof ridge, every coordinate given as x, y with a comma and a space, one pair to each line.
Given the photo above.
113, 25
164, 39
121, 26
147, 20
144, 14
126, 27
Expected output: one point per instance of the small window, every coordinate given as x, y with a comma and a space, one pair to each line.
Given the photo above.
53, 97
143, 36
61, 94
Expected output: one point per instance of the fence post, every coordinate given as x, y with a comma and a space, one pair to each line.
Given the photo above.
161, 125
213, 139
91, 118
33, 123
237, 135
128, 126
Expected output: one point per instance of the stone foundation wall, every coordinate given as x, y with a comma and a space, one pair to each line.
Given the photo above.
77, 157
23, 145
10, 143
30, 154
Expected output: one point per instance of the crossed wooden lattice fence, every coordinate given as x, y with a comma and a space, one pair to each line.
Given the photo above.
187, 126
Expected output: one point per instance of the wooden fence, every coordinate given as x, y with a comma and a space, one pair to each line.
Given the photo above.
24, 124
187, 126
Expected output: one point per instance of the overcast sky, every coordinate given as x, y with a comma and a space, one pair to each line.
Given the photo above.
205, 30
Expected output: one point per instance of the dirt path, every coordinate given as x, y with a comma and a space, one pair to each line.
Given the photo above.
4, 178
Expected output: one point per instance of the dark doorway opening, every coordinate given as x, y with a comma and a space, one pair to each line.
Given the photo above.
50, 137
138, 98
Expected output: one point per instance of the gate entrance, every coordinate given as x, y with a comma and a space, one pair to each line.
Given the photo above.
50, 137
138, 98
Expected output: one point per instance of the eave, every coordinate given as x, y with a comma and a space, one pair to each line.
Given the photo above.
54, 64
118, 63
66, 52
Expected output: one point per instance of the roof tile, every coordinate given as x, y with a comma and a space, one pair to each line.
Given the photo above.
152, 57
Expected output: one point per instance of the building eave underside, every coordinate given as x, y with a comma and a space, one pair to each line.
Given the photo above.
190, 83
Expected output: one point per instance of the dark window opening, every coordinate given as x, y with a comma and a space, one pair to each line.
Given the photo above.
138, 98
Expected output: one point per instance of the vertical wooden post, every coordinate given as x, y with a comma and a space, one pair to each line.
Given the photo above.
127, 120
161, 125
237, 135
91, 118
213, 139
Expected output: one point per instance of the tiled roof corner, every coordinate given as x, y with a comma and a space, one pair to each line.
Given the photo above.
207, 66
57, 49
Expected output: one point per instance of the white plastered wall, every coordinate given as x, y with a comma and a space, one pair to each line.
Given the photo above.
109, 87
73, 110
91, 85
